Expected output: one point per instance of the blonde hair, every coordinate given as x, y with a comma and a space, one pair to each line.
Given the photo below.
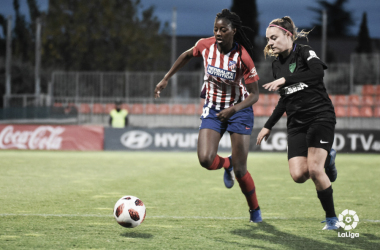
287, 24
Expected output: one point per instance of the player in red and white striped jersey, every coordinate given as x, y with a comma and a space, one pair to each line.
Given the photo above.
223, 85
228, 102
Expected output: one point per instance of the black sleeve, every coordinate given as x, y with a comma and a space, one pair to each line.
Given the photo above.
276, 115
315, 65
110, 121
310, 57
315, 72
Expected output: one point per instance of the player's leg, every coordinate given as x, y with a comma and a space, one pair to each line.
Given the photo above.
208, 141
240, 148
319, 133
210, 132
316, 162
297, 156
240, 127
298, 169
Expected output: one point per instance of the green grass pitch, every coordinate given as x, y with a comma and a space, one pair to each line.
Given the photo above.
64, 200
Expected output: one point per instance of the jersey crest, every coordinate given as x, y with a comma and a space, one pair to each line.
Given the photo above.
232, 65
292, 67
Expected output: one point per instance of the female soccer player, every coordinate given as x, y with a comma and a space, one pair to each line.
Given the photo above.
228, 104
311, 117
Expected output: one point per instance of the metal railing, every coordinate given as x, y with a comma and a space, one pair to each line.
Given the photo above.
77, 88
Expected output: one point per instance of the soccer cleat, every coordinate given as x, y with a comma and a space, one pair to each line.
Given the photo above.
332, 223
229, 175
255, 216
330, 170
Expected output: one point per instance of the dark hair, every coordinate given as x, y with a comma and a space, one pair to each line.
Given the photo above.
287, 23
240, 35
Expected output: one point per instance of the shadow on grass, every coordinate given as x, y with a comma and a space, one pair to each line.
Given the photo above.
137, 235
364, 241
267, 232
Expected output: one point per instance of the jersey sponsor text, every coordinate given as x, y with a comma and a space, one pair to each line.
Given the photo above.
294, 88
222, 73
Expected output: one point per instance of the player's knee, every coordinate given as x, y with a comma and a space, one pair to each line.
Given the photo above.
205, 161
300, 177
239, 173
314, 173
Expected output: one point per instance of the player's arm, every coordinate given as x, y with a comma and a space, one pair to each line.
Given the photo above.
273, 119
252, 98
315, 72
179, 63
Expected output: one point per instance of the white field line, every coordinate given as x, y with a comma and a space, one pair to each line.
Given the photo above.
160, 217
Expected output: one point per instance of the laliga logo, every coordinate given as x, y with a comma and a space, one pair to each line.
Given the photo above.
351, 218
348, 220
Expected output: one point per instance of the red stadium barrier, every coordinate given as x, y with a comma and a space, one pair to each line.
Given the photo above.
340, 111
368, 89
163, 109
340, 100
354, 111
354, 100
137, 109
259, 110
108, 108
273, 99
47, 137
366, 111
176, 109
367, 100
263, 100
150, 109
189, 109
376, 112
97, 108
84, 108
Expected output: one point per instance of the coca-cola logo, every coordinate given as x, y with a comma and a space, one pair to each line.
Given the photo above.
43, 137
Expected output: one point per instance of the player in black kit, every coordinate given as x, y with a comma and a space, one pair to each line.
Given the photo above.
311, 117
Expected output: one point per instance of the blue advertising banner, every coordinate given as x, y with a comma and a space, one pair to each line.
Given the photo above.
177, 139
186, 139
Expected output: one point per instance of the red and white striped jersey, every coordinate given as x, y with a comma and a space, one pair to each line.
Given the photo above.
223, 87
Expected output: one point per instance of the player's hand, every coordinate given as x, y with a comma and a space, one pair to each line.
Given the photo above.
275, 85
264, 134
160, 86
225, 114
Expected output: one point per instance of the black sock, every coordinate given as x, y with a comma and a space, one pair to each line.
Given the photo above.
326, 198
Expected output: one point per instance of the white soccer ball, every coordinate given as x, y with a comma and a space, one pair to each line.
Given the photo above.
129, 211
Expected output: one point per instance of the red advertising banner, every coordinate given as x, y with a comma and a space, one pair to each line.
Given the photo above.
48, 137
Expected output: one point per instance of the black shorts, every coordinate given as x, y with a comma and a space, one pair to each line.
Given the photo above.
317, 135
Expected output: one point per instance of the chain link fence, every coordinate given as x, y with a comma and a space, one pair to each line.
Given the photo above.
353, 87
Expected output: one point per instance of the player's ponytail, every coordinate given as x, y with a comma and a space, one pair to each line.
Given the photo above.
241, 32
287, 25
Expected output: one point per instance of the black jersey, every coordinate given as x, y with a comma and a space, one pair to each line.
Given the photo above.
303, 96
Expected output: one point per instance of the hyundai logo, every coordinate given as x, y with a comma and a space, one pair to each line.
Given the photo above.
136, 139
